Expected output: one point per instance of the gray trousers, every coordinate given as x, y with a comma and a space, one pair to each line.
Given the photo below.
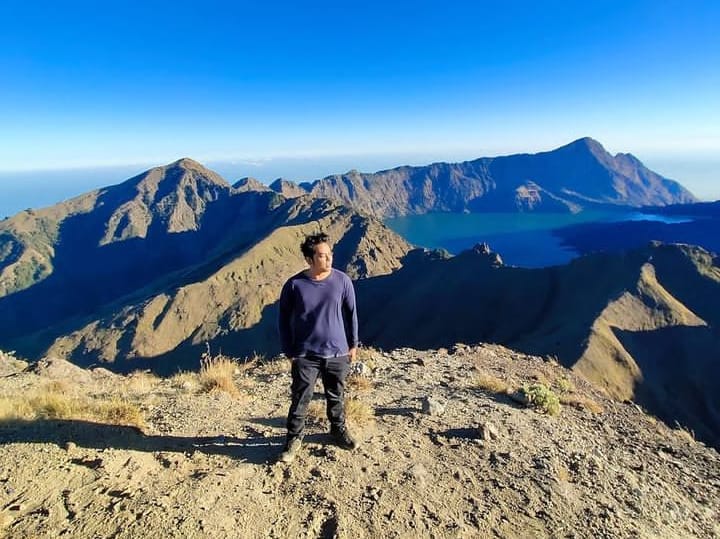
305, 371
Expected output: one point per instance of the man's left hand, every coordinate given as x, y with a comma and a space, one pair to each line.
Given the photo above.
352, 354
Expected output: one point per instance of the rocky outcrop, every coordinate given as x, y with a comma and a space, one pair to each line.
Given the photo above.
249, 184
287, 188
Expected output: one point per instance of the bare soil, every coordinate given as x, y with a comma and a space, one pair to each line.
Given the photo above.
480, 464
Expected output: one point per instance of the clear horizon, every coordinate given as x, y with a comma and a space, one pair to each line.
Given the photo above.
368, 86
36, 189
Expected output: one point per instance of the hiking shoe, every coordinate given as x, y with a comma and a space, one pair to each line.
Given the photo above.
292, 447
343, 439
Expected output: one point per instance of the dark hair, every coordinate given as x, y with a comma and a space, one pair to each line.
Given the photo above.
308, 246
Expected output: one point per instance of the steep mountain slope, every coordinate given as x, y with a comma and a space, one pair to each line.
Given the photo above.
249, 184
117, 240
287, 188
227, 301
598, 315
179, 253
576, 176
165, 200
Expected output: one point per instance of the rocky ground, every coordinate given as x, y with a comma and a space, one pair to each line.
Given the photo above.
445, 452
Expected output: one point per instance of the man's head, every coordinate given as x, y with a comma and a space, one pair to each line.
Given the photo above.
317, 252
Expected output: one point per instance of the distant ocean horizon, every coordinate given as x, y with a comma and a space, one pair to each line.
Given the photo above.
521, 239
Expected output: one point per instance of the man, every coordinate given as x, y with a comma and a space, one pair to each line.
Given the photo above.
319, 332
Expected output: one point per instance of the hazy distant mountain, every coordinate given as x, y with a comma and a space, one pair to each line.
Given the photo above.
644, 325
579, 175
177, 236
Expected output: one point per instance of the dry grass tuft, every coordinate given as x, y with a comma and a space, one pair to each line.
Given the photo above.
119, 412
539, 377
216, 374
488, 382
12, 408
368, 355
278, 366
141, 381
584, 403
48, 404
245, 365
357, 382
358, 412
57, 386
684, 433
316, 411
52, 405
562, 474
187, 381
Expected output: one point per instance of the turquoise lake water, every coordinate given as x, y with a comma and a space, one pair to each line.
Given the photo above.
521, 239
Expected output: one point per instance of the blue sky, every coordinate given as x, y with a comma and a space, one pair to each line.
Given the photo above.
360, 85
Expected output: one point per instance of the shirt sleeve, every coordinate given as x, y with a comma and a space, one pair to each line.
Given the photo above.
285, 318
350, 318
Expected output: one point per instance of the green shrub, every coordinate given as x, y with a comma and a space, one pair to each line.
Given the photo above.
542, 398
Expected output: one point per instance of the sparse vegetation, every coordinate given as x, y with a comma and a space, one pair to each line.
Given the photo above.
142, 381
316, 411
276, 366
368, 356
684, 433
358, 411
540, 378
552, 360
358, 382
184, 380
565, 385
216, 374
119, 412
491, 383
542, 398
584, 403
48, 403
12, 360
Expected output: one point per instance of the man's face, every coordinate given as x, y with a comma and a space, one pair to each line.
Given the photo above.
322, 259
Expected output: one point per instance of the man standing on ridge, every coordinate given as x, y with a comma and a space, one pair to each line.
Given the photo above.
319, 332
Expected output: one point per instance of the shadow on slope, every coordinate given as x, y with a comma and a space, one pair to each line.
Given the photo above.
613, 237
676, 386
88, 275
253, 449
545, 311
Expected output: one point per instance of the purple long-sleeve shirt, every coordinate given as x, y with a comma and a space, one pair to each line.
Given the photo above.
318, 318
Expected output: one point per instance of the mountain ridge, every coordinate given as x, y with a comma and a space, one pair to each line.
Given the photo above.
576, 176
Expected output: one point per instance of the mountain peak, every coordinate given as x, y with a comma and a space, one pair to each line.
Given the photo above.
187, 163
586, 143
